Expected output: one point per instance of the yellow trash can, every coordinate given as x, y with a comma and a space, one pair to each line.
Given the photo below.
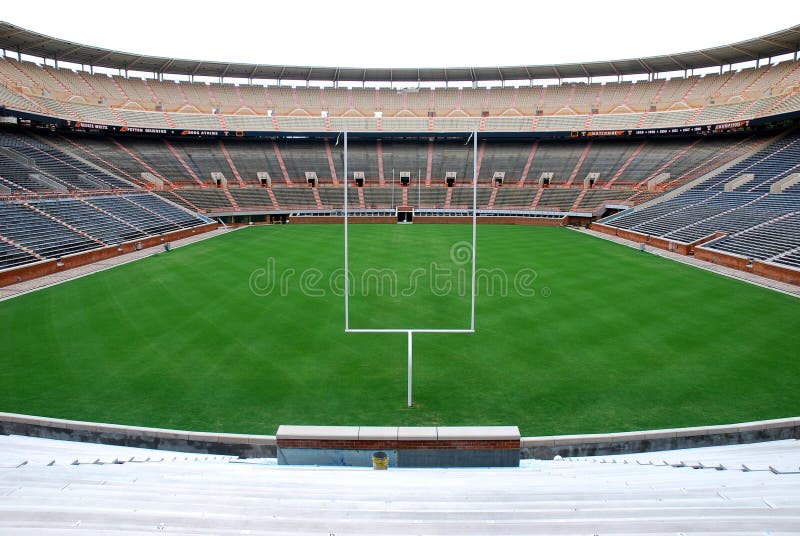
380, 461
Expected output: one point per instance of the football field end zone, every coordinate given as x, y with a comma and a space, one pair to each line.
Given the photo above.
266, 446
473, 247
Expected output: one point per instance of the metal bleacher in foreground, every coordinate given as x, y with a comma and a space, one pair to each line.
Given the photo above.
53, 228
758, 223
56, 487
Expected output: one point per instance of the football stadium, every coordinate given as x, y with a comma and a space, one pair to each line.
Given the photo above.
556, 298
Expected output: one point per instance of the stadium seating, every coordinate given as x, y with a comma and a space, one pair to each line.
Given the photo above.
173, 197
251, 197
758, 224
769, 165
19, 177
422, 197
159, 208
207, 199
59, 167
767, 241
558, 199
79, 95
54, 165
789, 259
388, 197
11, 256
334, 197
295, 197
52, 228
58, 486
41, 234
515, 197
189, 164
597, 197
88, 219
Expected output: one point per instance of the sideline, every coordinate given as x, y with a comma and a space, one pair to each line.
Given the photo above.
25, 287
753, 279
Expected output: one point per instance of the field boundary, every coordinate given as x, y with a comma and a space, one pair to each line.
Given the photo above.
747, 277
265, 446
56, 278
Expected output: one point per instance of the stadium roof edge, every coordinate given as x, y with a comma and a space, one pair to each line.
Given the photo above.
20, 40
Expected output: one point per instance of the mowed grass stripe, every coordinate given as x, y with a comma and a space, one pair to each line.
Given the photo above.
599, 338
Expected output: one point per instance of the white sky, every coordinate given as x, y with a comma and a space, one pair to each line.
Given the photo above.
403, 33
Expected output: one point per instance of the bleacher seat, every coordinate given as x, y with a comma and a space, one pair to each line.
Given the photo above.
58, 487
79, 95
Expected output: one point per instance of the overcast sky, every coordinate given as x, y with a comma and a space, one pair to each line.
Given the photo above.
403, 33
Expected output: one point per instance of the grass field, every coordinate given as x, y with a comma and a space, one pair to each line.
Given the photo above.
589, 336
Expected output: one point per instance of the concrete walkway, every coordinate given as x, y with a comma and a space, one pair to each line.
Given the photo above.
24, 287
786, 288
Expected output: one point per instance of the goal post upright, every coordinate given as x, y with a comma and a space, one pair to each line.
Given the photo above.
410, 368
474, 223
346, 249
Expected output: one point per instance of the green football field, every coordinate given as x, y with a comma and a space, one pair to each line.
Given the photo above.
244, 332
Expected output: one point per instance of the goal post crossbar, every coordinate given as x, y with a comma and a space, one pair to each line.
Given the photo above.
409, 330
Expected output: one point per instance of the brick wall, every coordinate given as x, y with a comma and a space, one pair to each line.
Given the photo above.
778, 273
40, 269
785, 275
389, 444
340, 219
547, 222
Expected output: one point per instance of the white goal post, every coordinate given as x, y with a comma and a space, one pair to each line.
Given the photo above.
411, 331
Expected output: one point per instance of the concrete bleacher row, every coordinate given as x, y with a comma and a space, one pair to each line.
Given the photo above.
739, 202
28, 164
778, 457
58, 487
757, 226
191, 169
181, 161
716, 96
11, 255
53, 228
770, 241
768, 165
721, 113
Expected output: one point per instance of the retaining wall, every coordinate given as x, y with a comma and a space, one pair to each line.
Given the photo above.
43, 268
500, 220
771, 271
261, 446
